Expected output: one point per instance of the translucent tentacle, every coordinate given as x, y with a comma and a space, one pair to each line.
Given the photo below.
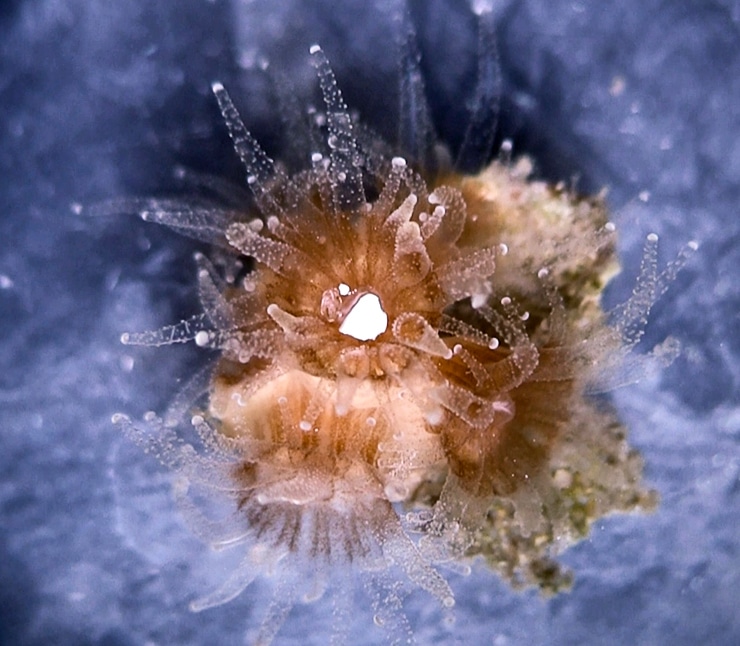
181, 332
204, 222
346, 168
223, 189
468, 276
413, 331
247, 571
481, 130
399, 171
210, 291
283, 600
631, 316
195, 387
456, 327
447, 221
415, 130
269, 252
261, 171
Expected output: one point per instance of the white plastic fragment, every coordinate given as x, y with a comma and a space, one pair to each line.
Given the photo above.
366, 320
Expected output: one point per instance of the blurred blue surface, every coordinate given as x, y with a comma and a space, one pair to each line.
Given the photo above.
101, 99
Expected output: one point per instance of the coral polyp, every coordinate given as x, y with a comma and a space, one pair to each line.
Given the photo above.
404, 372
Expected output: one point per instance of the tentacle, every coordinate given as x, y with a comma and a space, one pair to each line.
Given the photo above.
481, 131
346, 164
262, 175
415, 132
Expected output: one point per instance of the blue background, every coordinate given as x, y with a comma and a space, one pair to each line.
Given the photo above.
101, 99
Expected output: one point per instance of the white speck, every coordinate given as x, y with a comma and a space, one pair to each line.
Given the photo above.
478, 300
343, 289
304, 425
398, 162
251, 179
371, 421
202, 338
644, 196
125, 337
256, 225
525, 316
506, 301
543, 273
249, 285
76, 208
6, 282
652, 237
493, 344
316, 157
196, 420
457, 349
273, 223
610, 227
314, 49
503, 248
366, 320
693, 245
282, 400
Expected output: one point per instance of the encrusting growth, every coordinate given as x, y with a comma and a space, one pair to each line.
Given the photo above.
413, 341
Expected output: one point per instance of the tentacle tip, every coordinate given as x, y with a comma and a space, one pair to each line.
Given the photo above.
196, 606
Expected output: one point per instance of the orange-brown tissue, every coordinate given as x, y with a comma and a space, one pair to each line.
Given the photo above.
404, 375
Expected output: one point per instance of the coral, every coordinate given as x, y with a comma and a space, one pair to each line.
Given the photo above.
409, 339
